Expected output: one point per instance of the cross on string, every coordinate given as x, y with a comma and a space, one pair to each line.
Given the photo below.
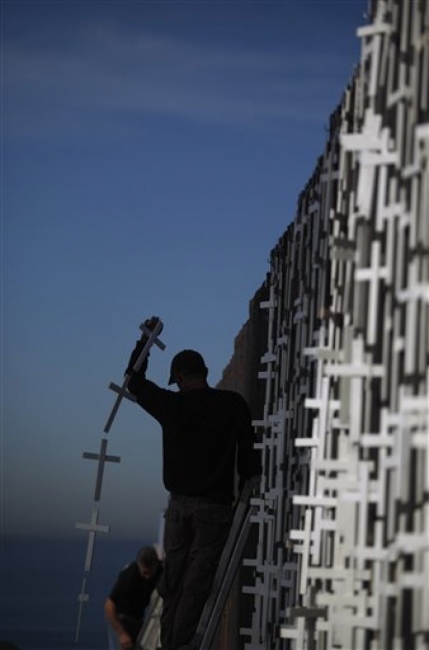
82, 598
102, 458
93, 527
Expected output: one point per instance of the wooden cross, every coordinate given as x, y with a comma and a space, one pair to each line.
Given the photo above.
102, 458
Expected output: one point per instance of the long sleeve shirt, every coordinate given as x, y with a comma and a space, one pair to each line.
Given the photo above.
207, 434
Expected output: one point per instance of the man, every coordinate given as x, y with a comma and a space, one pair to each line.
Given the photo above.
207, 435
130, 596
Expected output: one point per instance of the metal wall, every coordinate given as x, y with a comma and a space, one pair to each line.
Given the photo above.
342, 552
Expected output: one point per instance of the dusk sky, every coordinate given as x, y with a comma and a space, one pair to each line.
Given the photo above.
152, 155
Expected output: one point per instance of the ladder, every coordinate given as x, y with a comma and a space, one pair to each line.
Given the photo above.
149, 636
227, 570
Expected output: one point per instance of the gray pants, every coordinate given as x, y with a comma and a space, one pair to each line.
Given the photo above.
194, 537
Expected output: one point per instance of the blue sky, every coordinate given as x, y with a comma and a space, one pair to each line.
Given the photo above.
152, 155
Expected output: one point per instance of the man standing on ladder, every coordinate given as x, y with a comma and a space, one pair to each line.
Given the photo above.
207, 436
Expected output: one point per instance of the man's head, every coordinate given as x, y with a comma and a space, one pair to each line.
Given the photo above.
188, 367
147, 561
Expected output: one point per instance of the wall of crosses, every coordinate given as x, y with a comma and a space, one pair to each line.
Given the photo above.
342, 559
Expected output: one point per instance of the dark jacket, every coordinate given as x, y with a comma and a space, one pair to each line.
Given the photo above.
206, 434
131, 594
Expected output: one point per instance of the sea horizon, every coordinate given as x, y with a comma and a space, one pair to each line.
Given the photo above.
40, 582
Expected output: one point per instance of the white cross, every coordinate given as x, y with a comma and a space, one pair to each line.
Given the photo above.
102, 458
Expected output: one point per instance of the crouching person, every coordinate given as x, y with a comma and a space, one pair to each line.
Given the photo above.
130, 596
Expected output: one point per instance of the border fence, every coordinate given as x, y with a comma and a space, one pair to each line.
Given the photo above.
334, 361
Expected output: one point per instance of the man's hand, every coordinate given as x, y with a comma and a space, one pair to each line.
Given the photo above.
150, 324
125, 641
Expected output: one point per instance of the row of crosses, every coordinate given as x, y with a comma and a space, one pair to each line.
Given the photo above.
94, 527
